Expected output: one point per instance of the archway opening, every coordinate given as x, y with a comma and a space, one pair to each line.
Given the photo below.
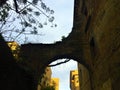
62, 72
68, 74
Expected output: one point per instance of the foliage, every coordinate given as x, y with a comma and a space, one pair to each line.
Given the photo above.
63, 37
45, 83
21, 18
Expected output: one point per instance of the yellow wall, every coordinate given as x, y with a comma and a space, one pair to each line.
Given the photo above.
14, 48
13, 45
55, 82
46, 79
74, 80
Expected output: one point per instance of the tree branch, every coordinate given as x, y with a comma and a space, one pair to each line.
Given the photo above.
67, 60
16, 6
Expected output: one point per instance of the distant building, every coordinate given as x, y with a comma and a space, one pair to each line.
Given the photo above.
55, 83
74, 80
14, 46
46, 79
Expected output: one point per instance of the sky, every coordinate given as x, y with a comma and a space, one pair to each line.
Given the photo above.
63, 18
63, 73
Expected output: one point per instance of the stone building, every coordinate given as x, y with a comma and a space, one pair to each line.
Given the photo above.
46, 79
74, 80
55, 83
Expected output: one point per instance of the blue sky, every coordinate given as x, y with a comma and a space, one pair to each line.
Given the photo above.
63, 18
63, 73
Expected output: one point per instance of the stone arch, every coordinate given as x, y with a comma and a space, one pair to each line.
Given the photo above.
69, 57
84, 72
40, 55
47, 53
77, 45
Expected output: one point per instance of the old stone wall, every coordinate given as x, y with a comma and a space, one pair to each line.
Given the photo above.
93, 42
103, 35
84, 77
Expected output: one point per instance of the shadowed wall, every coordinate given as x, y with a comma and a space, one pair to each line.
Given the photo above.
93, 42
